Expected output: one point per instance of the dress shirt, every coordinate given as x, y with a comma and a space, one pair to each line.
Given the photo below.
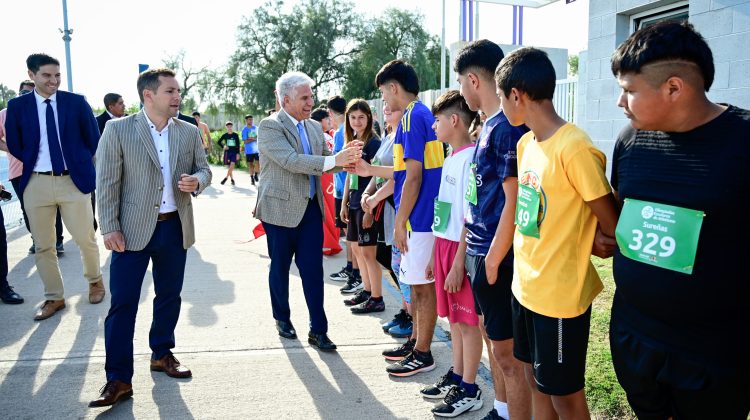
43, 158
330, 161
161, 141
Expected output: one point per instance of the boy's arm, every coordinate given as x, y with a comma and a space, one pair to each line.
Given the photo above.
409, 194
503, 239
607, 212
362, 168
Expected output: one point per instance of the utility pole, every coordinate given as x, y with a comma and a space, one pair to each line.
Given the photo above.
443, 85
66, 37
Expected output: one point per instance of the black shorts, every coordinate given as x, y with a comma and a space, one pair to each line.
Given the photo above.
230, 156
660, 383
339, 223
356, 233
555, 347
492, 301
251, 157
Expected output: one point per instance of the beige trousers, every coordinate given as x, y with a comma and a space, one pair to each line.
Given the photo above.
42, 196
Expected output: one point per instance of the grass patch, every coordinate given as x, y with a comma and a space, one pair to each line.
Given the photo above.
605, 396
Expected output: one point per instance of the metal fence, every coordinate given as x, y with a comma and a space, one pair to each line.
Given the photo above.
11, 209
564, 100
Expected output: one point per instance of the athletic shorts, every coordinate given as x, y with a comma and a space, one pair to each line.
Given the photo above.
414, 262
660, 383
230, 156
459, 306
492, 301
355, 232
252, 157
339, 223
555, 347
396, 266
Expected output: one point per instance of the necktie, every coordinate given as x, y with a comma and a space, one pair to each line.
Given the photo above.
308, 151
55, 153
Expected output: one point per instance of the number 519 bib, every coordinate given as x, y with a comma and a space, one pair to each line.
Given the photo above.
660, 235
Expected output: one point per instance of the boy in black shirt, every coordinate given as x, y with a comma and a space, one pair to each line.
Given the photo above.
680, 171
230, 141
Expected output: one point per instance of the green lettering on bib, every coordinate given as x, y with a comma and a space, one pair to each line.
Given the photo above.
659, 234
527, 211
471, 189
442, 215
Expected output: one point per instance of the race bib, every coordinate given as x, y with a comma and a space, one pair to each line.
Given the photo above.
353, 182
471, 189
660, 235
527, 211
231, 143
442, 214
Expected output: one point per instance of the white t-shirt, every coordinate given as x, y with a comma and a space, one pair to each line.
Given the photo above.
453, 184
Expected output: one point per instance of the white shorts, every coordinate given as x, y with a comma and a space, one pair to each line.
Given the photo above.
414, 262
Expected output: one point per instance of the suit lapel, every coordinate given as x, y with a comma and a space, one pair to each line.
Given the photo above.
174, 149
62, 113
36, 130
144, 132
290, 127
313, 139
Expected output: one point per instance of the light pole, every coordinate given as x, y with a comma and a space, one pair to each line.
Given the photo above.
443, 85
66, 37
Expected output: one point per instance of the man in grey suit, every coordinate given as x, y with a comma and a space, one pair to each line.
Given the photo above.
293, 155
148, 165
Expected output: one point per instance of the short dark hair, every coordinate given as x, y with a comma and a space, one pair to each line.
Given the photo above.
319, 114
529, 70
149, 79
665, 41
482, 56
401, 72
26, 83
111, 99
337, 104
35, 61
451, 102
248, 116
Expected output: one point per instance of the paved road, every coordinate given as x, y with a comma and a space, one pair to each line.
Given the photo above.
226, 335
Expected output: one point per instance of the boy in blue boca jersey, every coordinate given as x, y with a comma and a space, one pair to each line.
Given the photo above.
489, 223
680, 170
417, 166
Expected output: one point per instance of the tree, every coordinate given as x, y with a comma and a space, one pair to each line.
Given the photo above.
315, 38
573, 65
397, 34
187, 76
6, 94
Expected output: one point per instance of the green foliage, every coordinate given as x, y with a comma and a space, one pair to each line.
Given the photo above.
133, 109
573, 65
6, 94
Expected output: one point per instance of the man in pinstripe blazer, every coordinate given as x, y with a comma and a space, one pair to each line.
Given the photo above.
148, 165
293, 155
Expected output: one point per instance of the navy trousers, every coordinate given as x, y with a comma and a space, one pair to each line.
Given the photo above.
126, 273
305, 244
3, 253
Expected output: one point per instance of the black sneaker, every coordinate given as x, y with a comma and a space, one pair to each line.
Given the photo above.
342, 275
457, 402
493, 415
440, 388
369, 306
414, 363
233, 181
360, 297
252, 181
399, 353
354, 285
256, 177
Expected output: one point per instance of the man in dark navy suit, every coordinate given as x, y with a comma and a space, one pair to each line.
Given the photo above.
55, 135
114, 107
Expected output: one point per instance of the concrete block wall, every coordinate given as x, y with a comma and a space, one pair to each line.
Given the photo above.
724, 23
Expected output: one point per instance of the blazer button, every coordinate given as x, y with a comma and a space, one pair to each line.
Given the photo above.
156, 206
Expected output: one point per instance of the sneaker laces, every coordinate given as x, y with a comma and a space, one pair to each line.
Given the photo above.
455, 394
445, 379
107, 387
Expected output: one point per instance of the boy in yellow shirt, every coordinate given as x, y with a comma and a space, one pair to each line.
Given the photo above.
562, 193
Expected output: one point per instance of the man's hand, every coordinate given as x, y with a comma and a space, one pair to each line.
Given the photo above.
367, 220
187, 183
399, 239
604, 245
454, 280
349, 154
114, 241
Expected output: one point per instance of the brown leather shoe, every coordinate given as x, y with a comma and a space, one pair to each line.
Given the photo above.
171, 366
49, 308
111, 393
96, 292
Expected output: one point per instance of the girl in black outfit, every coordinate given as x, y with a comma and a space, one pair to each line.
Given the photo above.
230, 141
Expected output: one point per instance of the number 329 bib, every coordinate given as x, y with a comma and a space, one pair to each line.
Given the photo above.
660, 235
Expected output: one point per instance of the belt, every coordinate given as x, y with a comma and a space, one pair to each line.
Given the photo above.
166, 216
63, 173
